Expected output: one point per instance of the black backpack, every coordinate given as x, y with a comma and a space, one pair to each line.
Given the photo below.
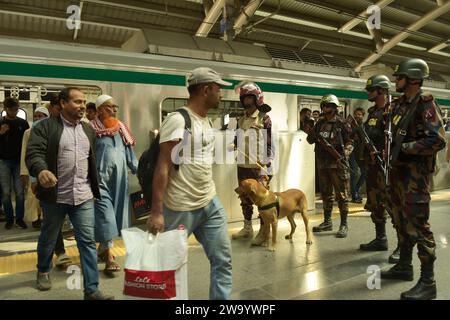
149, 158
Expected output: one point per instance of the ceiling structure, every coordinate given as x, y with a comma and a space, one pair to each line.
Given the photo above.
332, 28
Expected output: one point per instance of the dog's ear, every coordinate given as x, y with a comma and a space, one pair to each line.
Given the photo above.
253, 189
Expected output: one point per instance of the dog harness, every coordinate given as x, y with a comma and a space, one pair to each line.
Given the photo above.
276, 204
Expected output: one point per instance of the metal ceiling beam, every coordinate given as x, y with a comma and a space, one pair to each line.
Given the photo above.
439, 46
64, 19
245, 15
430, 16
362, 16
210, 19
148, 8
207, 4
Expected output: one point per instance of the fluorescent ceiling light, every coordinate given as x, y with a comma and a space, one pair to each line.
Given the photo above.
439, 46
445, 54
359, 34
294, 20
411, 46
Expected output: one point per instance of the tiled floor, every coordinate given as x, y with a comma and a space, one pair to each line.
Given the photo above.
330, 268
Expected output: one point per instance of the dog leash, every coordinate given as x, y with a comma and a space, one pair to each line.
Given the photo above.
261, 167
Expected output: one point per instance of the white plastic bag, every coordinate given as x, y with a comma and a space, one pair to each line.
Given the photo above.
155, 266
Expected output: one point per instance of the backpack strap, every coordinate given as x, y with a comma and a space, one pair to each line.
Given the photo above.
187, 128
187, 119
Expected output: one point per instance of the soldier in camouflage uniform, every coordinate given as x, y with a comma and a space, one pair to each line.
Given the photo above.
418, 134
332, 174
377, 88
255, 151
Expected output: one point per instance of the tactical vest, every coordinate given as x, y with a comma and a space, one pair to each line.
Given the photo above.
336, 133
253, 145
374, 127
412, 131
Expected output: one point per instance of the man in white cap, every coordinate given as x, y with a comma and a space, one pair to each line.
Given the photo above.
114, 155
184, 193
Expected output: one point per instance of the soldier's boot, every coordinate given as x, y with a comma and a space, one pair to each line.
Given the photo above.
380, 242
403, 270
245, 232
343, 228
326, 225
395, 256
425, 289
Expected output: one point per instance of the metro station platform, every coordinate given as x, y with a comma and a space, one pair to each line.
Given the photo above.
329, 269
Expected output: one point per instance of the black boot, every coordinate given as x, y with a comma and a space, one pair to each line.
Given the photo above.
379, 243
425, 289
403, 270
395, 256
326, 225
343, 229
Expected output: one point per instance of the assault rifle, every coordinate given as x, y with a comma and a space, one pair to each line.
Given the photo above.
387, 140
342, 160
367, 142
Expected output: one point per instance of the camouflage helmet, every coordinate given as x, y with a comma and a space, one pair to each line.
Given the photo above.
378, 81
329, 99
251, 89
413, 69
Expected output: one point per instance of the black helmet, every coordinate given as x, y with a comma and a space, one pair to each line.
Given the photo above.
329, 99
413, 69
378, 81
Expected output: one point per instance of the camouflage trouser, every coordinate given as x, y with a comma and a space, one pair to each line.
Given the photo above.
376, 194
338, 179
410, 203
250, 173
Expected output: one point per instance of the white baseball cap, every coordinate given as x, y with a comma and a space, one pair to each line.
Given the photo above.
43, 110
101, 100
205, 75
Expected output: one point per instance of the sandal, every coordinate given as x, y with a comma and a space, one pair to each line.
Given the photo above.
111, 268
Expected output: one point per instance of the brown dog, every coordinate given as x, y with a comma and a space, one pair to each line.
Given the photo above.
289, 202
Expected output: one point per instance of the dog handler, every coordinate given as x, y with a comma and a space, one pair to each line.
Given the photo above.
254, 144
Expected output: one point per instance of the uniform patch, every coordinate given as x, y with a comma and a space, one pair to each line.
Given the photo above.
372, 122
396, 119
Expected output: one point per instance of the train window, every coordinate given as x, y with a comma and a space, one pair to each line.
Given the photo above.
446, 116
221, 117
21, 114
306, 103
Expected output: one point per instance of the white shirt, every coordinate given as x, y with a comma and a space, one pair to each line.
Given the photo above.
190, 187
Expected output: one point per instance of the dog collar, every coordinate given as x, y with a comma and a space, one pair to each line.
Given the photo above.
276, 204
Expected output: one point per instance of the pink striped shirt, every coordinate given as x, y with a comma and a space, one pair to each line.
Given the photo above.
74, 186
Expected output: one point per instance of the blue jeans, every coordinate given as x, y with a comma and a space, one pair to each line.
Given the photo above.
356, 181
82, 217
209, 225
9, 178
